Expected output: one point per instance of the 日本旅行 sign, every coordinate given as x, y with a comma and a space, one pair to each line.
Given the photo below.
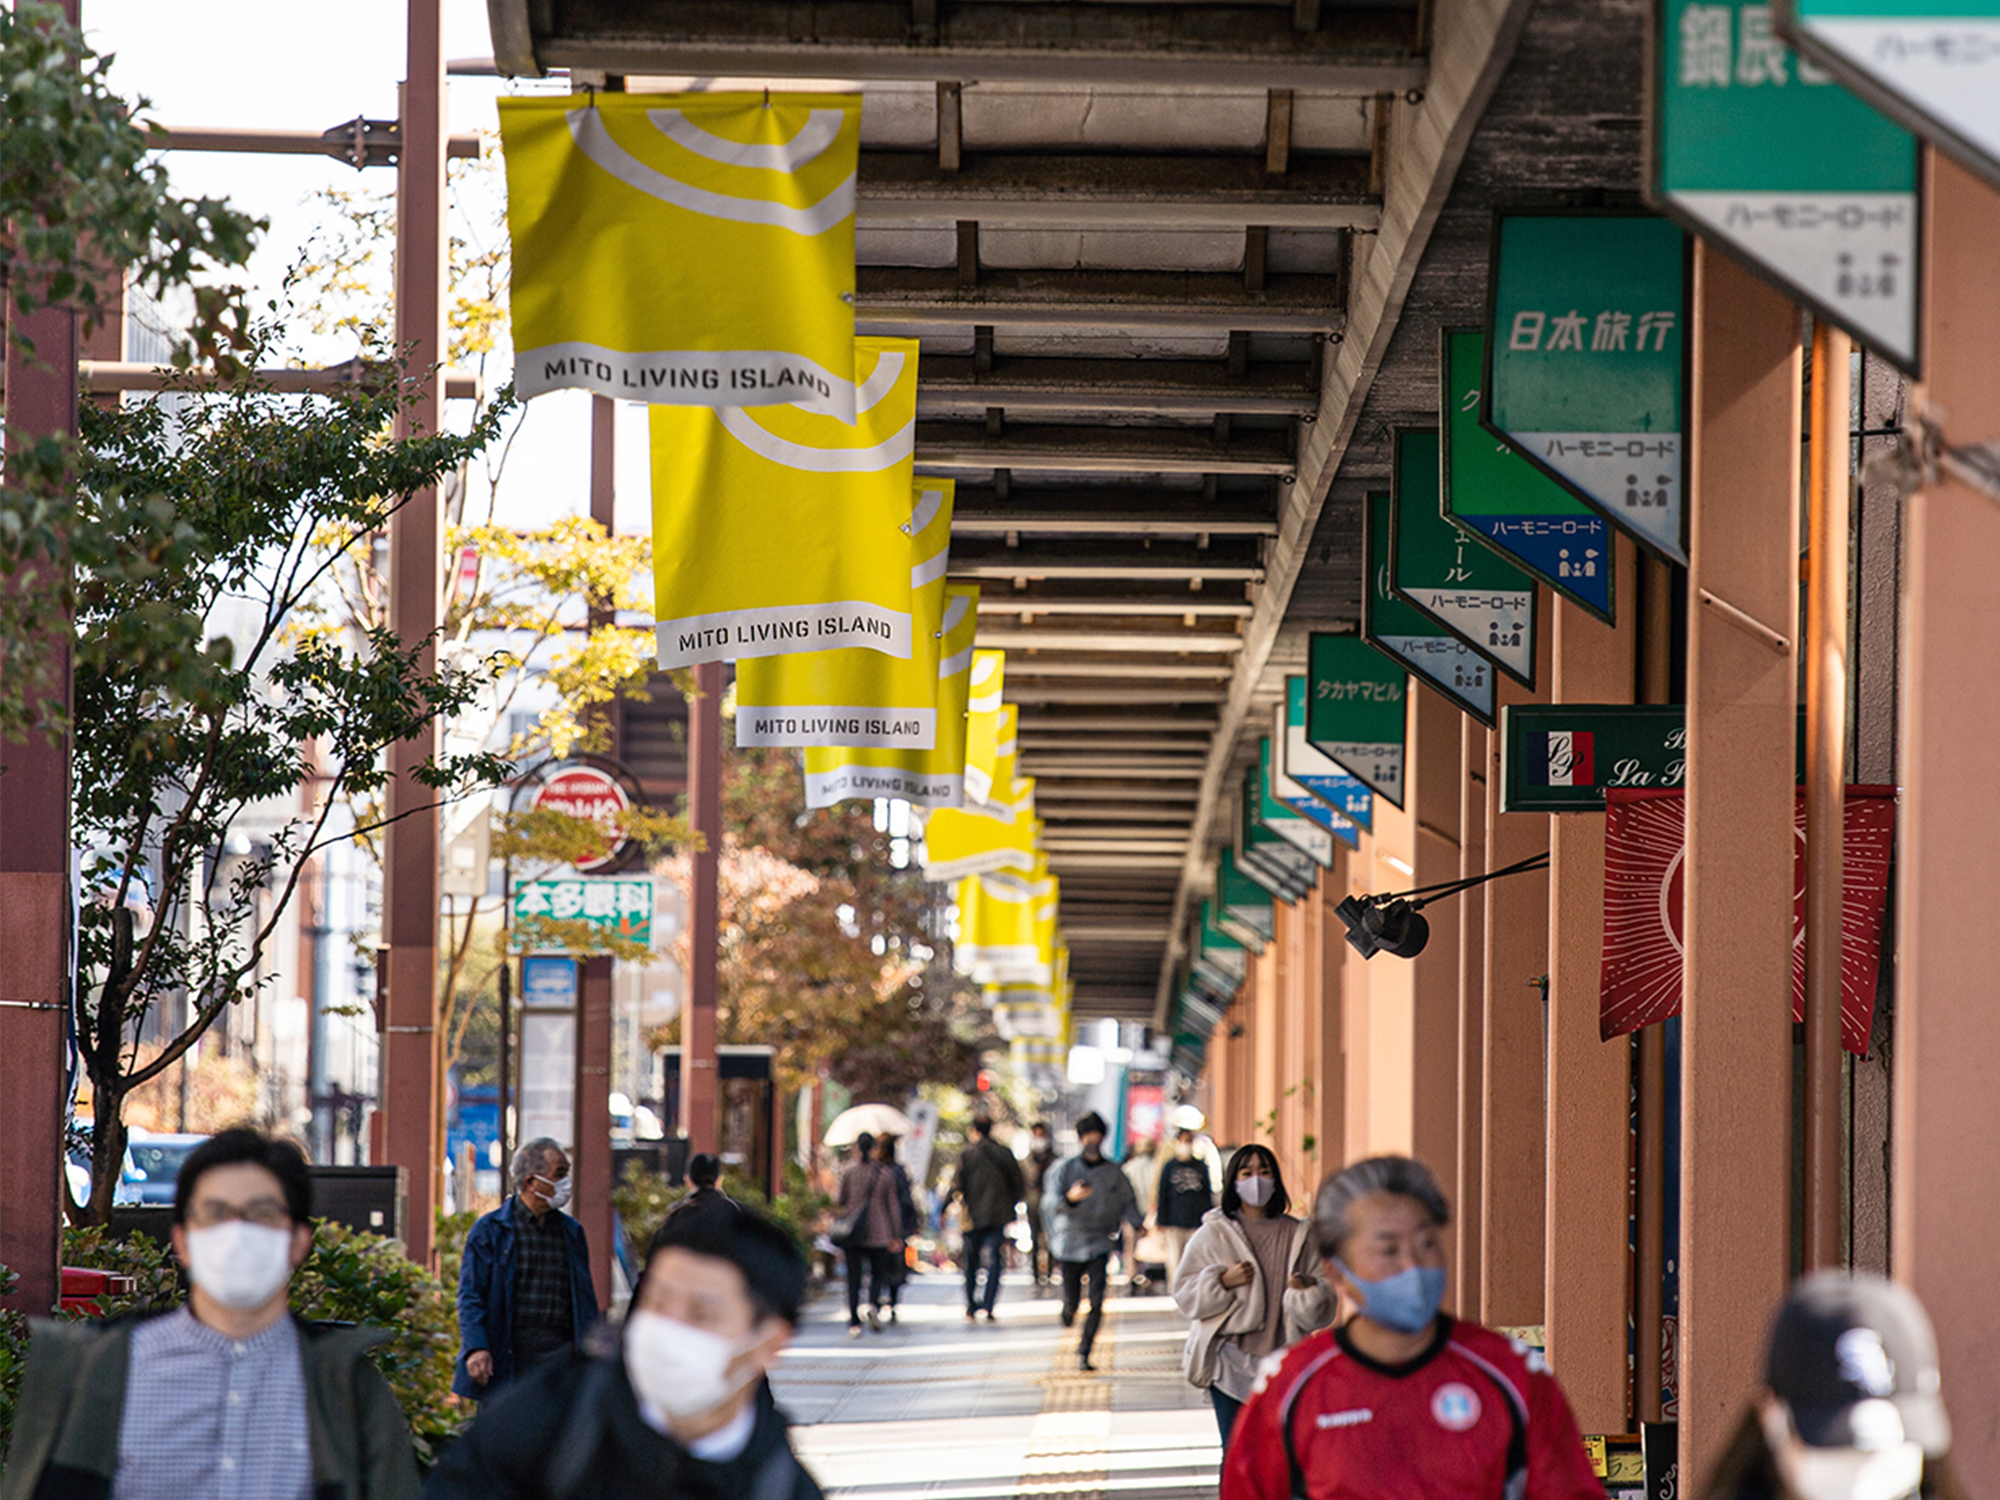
1392, 625
1320, 775
1586, 362
1472, 591
1497, 496
1356, 711
1561, 757
619, 906
1933, 65
1824, 203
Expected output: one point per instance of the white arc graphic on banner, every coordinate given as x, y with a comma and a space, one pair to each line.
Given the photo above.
822, 129
741, 423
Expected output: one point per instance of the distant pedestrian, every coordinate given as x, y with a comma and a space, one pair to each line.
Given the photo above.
1402, 1399
989, 1187
909, 1222
1186, 1120
704, 1170
867, 1195
1088, 1204
1250, 1283
524, 1286
676, 1404
1034, 1168
1850, 1409
1181, 1201
227, 1396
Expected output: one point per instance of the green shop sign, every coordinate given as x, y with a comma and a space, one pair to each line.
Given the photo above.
1560, 757
1506, 503
619, 906
1762, 151
1473, 592
1395, 627
1308, 835
1356, 711
1274, 862
1586, 362
1934, 65
1318, 775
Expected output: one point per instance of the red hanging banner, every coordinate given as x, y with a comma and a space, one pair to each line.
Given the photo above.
1645, 848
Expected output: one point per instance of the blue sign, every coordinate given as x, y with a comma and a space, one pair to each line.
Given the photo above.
548, 981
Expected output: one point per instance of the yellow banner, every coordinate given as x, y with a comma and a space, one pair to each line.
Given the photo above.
1000, 935
862, 698
780, 530
685, 249
982, 728
923, 778
959, 841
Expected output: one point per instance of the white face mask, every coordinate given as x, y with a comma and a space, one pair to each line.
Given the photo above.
240, 1265
558, 1192
1810, 1473
1255, 1191
678, 1368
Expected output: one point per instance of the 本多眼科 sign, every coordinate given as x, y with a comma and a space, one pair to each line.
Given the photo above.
1824, 205
618, 906
1586, 362
1934, 65
1561, 757
1356, 711
1471, 590
1392, 625
1499, 497
1318, 774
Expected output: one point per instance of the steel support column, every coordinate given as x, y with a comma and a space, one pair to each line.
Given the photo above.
700, 1084
410, 1098
1742, 716
1826, 797
1945, 1236
1465, 1262
1590, 1080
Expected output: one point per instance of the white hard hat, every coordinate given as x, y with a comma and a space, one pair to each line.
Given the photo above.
1187, 1117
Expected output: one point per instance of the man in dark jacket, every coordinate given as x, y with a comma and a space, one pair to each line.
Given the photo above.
228, 1394
1088, 1203
989, 1187
1041, 1156
677, 1407
524, 1286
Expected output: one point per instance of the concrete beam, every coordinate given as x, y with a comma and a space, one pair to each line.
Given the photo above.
888, 298
1079, 192
1224, 561
1357, 51
1090, 513
1185, 387
1112, 450
1053, 599
1085, 692
1205, 643
1152, 671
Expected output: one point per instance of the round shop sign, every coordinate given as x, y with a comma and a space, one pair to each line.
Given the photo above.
582, 790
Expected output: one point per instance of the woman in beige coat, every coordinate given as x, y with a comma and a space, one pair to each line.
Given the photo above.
1250, 1283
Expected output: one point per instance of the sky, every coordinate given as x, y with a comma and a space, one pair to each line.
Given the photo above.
251, 64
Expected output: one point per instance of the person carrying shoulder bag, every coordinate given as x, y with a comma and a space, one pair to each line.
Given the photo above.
1249, 1284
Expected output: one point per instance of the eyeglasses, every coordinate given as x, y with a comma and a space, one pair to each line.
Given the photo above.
265, 1213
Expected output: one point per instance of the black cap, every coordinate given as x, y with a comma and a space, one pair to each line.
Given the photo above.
1842, 1348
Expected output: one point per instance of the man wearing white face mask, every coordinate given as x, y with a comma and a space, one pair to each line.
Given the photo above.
1851, 1408
676, 1407
1402, 1401
524, 1285
226, 1398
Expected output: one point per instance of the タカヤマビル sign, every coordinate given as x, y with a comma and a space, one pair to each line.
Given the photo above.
1356, 711
1320, 775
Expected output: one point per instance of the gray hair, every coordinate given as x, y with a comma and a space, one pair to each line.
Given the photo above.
529, 1159
1400, 1175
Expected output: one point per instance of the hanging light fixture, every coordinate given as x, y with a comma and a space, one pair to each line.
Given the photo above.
1395, 924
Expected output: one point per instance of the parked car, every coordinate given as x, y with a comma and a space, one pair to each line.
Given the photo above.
152, 1164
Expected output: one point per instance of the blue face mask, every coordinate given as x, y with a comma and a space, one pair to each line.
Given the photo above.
1406, 1302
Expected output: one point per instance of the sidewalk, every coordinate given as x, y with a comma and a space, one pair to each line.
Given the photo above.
936, 1408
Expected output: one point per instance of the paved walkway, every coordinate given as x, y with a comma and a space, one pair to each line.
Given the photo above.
936, 1408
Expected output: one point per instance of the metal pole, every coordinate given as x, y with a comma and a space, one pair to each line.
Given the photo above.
699, 1083
412, 1127
1826, 791
592, 1153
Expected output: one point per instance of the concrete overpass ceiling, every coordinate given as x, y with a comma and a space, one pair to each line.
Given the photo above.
1168, 264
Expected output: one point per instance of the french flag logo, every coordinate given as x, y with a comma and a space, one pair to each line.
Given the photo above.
1563, 757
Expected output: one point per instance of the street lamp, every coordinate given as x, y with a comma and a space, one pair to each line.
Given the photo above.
1395, 924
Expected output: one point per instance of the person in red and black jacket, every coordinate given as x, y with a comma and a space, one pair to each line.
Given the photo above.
1402, 1401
